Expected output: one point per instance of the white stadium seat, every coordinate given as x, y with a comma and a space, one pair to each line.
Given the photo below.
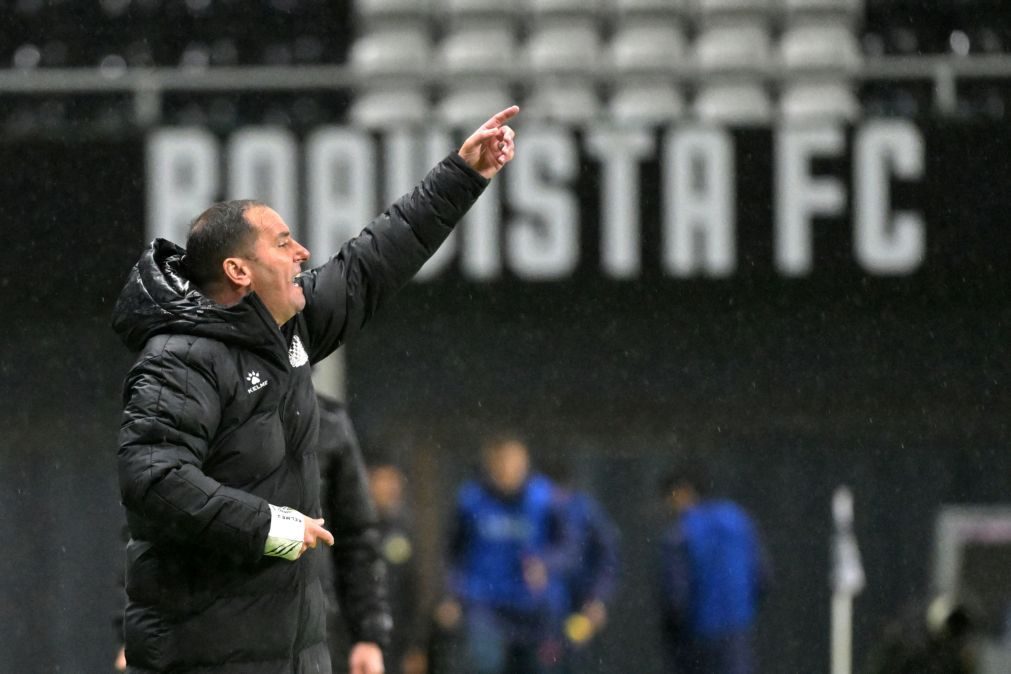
570, 101
478, 49
466, 106
563, 46
456, 11
375, 11
819, 101
827, 46
400, 49
711, 11
651, 45
651, 7
733, 104
733, 47
386, 108
837, 9
566, 7
646, 104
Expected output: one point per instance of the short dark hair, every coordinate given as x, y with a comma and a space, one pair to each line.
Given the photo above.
500, 439
689, 472
218, 233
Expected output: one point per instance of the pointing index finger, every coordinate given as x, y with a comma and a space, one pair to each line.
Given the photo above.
501, 118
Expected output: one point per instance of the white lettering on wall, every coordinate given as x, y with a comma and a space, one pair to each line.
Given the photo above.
699, 225
543, 236
263, 165
886, 243
800, 196
182, 180
343, 186
341, 176
619, 152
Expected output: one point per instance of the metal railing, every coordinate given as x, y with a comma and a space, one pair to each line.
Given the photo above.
148, 85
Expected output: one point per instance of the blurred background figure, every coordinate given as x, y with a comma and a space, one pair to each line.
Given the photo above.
354, 572
396, 544
939, 637
503, 550
713, 578
588, 584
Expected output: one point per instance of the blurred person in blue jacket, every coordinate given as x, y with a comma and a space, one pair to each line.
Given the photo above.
588, 580
714, 575
503, 554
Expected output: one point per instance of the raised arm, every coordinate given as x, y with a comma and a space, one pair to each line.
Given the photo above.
345, 292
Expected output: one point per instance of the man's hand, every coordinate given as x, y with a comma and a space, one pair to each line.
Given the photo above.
365, 658
492, 146
314, 532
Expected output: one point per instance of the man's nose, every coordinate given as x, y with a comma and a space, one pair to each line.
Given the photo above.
303, 252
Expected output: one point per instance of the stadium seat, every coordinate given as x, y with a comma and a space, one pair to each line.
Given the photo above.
739, 47
454, 12
646, 104
842, 11
541, 8
372, 12
464, 107
478, 49
403, 48
648, 45
711, 12
627, 8
385, 108
739, 104
559, 46
818, 101
820, 47
569, 101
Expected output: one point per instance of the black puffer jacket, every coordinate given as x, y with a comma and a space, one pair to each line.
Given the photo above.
221, 419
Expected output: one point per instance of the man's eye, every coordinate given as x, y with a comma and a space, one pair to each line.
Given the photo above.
283, 243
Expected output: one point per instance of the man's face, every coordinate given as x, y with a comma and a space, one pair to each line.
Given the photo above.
507, 466
386, 487
277, 259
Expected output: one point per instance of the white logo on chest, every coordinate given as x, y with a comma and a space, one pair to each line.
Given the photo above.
253, 377
296, 354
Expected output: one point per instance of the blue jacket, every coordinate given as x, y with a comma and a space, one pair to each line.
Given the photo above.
592, 541
493, 535
714, 571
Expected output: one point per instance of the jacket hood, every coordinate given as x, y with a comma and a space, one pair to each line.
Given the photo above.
159, 299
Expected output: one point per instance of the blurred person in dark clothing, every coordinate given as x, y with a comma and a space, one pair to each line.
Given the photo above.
503, 548
713, 577
218, 466
937, 638
396, 545
588, 584
353, 571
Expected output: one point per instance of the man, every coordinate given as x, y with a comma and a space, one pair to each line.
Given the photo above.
217, 458
354, 573
386, 486
502, 555
588, 584
714, 575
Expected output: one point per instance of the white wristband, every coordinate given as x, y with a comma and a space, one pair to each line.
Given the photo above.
287, 533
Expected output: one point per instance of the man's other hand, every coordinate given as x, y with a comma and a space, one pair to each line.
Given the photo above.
365, 658
314, 533
492, 146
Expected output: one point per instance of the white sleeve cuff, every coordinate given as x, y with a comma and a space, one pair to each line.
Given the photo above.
287, 533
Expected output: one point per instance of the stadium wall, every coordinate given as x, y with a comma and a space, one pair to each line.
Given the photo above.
810, 359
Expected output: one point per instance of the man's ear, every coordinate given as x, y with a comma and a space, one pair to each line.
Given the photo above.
237, 271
